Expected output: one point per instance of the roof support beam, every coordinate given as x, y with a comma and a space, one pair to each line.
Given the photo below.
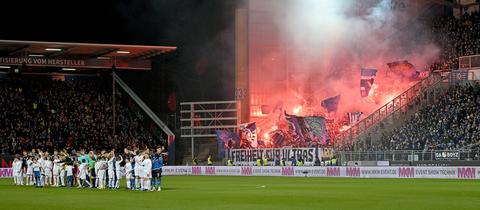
104, 52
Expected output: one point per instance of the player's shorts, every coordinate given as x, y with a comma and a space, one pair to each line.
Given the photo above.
157, 173
83, 176
118, 173
111, 174
29, 171
141, 173
137, 171
147, 174
48, 172
129, 176
56, 171
101, 174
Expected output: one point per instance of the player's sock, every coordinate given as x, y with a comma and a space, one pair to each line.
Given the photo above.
86, 181
147, 184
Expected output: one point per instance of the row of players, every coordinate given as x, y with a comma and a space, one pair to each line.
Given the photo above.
143, 169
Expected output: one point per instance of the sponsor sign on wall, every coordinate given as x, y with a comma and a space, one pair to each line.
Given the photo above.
41, 61
341, 171
306, 171
6, 172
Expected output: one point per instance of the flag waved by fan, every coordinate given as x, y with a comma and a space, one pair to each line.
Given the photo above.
226, 140
249, 134
367, 77
331, 104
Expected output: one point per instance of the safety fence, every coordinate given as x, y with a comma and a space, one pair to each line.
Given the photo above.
409, 155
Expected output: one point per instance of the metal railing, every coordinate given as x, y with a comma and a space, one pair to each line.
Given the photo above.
468, 62
409, 155
397, 104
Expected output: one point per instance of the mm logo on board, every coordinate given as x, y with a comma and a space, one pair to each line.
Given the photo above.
353, 172
406, 172
466, 173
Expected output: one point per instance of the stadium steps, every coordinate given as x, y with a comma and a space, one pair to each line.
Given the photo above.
203, 148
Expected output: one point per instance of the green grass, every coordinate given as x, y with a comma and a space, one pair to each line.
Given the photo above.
247, 193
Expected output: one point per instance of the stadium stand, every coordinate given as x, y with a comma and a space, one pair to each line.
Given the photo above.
450, 123
456, 37
47, 114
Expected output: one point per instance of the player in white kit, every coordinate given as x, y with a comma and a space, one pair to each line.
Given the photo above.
111, 170
97, 167
118, 173
41, 165
56, 171
48, 171
61, 166
138, 170
102, 172
83, 173
17, 171
146, 172
29, 179
129, 174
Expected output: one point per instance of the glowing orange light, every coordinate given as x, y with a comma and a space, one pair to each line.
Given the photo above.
344, 128
297, 110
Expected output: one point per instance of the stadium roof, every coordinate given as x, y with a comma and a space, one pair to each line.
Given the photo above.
78, 55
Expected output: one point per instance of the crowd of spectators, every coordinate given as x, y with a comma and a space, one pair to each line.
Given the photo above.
47, 114
456, 37
451, 123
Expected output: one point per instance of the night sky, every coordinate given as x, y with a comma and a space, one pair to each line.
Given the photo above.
201, 69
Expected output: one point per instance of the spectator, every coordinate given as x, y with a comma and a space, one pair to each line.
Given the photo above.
47, 114
450, 123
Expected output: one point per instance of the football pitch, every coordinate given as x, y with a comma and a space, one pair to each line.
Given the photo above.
251, 193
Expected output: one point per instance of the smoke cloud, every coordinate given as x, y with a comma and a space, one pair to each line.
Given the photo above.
330, 41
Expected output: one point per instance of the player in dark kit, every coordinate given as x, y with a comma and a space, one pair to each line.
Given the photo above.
157, 164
